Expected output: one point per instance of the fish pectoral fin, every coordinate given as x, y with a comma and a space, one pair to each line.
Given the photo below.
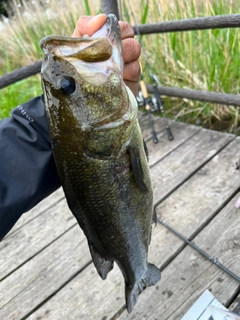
137, 169
102, 265
151, 277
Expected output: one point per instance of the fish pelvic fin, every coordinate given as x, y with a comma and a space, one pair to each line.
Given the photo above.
102, 265
151, 277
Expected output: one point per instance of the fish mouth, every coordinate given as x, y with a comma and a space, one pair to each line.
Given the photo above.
95, 66
101, 46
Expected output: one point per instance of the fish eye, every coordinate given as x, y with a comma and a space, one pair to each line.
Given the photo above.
67, 85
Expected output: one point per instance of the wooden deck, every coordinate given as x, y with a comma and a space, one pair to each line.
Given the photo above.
45, 266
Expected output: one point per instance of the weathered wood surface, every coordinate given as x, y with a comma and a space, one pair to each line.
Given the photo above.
173, 170
189, 275
26, 242
43, 275
46, 266
38, 209
235, 306
180, 211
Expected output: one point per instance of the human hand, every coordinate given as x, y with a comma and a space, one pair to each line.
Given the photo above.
130, 47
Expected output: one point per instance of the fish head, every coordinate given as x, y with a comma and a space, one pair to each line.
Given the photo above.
82, 79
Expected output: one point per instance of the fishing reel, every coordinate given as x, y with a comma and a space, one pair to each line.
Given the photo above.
151, 101
151, 104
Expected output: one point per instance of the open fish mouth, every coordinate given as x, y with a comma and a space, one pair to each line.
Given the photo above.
102, 46
72, 65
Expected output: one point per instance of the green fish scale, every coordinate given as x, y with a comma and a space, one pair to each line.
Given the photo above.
113, 219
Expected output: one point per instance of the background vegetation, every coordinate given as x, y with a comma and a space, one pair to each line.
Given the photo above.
202, 60
3, 6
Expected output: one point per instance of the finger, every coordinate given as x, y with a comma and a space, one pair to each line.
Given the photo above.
133, 86
89, 25
126, 30
132, 71
131, 75
131, 50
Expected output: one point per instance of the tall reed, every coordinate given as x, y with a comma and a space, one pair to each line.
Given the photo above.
202, 60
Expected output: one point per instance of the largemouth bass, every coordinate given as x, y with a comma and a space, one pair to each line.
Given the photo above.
100, 153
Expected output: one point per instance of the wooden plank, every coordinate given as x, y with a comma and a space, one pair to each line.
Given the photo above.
173, 170
192, 205
86, 297
181, 131
190, 274
39, 278
145, 126
23, 244
38, 209
235, 305
185, 209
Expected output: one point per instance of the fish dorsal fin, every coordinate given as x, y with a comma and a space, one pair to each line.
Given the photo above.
137, 169
102, 265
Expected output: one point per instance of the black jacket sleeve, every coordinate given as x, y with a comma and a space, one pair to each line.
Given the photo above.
27, 169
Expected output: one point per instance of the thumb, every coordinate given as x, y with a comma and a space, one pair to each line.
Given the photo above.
89, 25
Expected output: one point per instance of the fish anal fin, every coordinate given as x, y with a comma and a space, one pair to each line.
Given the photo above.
151, 277
137, 169
102, 265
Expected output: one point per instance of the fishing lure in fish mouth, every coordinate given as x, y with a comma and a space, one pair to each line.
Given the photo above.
100, 153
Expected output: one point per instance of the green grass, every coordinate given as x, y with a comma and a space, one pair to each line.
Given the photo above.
19, 93
201, 60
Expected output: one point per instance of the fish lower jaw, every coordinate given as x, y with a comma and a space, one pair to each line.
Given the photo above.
110, 125
96, 127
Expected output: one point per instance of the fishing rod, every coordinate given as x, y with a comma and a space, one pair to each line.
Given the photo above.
199, 250
148, 108
156, 83
160, 107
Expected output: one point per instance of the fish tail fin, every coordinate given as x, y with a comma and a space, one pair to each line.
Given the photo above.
151, 277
